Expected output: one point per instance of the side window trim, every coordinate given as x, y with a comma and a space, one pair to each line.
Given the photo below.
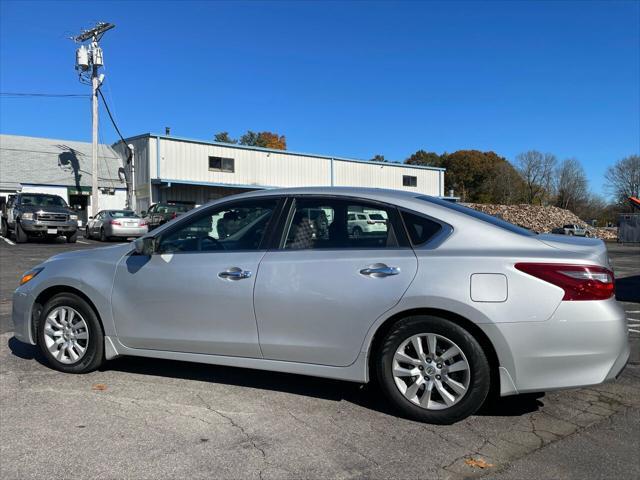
434, 241
232, 203
398, 226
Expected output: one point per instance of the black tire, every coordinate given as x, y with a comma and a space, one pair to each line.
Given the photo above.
21, 236
479, 369
357, 232
103, 237
73, 238
94, 354
86, 233
4, 228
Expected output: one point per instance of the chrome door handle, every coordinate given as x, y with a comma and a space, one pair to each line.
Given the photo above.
235, 273
380, 270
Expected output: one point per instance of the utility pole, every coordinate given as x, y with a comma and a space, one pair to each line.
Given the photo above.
88, 63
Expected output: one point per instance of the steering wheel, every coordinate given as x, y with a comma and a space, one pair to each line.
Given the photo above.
209, 243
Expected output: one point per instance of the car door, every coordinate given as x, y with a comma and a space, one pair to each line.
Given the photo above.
318, 293
195, 292
95, 224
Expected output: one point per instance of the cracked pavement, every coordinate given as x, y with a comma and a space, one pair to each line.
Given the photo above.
166, 419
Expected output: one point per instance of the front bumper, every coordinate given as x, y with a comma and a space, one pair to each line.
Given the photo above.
21, 316
584, 343
37, 227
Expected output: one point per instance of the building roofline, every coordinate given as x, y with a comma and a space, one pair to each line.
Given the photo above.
282, 152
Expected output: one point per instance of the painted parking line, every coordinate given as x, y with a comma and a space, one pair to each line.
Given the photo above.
84, 243
7, 240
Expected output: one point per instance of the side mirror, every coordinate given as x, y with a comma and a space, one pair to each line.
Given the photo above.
144, 246
143, 213
90, 218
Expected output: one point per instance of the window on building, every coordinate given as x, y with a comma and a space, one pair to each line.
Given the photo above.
221, 164
409, 181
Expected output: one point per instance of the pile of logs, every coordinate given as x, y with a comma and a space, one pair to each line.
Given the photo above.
540, 219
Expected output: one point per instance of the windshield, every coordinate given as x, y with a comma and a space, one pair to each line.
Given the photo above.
42, 200
122, 214
495, 221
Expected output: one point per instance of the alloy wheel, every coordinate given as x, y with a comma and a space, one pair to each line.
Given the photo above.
431, 371
66, 335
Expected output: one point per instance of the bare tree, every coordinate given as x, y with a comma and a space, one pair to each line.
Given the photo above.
623, 178
571, 185
536, 170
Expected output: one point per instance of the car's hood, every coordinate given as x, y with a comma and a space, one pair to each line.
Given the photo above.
592, 248
112, 252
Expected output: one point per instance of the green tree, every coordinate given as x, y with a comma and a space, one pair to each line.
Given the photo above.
378, 158
424, 158
223, 137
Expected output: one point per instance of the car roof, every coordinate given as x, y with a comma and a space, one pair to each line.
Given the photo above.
361, 192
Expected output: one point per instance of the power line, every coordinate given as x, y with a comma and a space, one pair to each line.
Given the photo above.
104, 102
52, 95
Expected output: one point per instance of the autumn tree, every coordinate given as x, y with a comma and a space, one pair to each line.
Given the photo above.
483, 177
223, 137
264, 140
536, 170
424, 158
623, 179
570, 185
378, 158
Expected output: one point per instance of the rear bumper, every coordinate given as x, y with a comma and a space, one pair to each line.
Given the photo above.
583, 343
117, 231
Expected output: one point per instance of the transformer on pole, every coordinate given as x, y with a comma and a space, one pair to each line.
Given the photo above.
88, 62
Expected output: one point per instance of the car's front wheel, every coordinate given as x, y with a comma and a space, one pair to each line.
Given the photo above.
433, 370
70, 335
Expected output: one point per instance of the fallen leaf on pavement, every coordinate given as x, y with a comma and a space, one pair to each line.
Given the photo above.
99, 387
480, 463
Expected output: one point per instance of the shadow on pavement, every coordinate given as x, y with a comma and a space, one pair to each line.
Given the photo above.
367, 396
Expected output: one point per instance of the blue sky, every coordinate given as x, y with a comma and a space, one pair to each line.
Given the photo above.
351, 79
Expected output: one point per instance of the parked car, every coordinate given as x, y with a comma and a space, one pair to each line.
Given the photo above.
360, 223
448, 304
109, 224
161, 213
38, 215
572, 230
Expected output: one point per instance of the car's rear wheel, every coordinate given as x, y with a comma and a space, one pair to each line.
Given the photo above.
433, 370
4, 228
70, 335
103, 236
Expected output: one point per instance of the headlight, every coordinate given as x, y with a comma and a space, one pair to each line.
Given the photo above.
27, 276
27, 216
73, 217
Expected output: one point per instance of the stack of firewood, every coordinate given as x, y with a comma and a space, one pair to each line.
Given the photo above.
540, 219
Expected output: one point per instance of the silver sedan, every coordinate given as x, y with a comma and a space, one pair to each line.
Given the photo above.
441, 306
108, 224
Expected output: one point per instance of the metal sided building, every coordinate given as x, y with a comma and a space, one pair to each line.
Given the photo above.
183, 170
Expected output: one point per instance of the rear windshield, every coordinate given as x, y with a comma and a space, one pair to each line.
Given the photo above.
495, 221
173, 208
123, 214
40, 200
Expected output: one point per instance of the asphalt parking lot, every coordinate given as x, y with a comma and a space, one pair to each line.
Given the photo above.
145, 418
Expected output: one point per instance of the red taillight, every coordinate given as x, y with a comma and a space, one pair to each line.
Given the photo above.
174, 215
143, 223
115, 222
579, 282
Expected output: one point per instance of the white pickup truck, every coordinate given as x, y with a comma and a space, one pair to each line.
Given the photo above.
572, 230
